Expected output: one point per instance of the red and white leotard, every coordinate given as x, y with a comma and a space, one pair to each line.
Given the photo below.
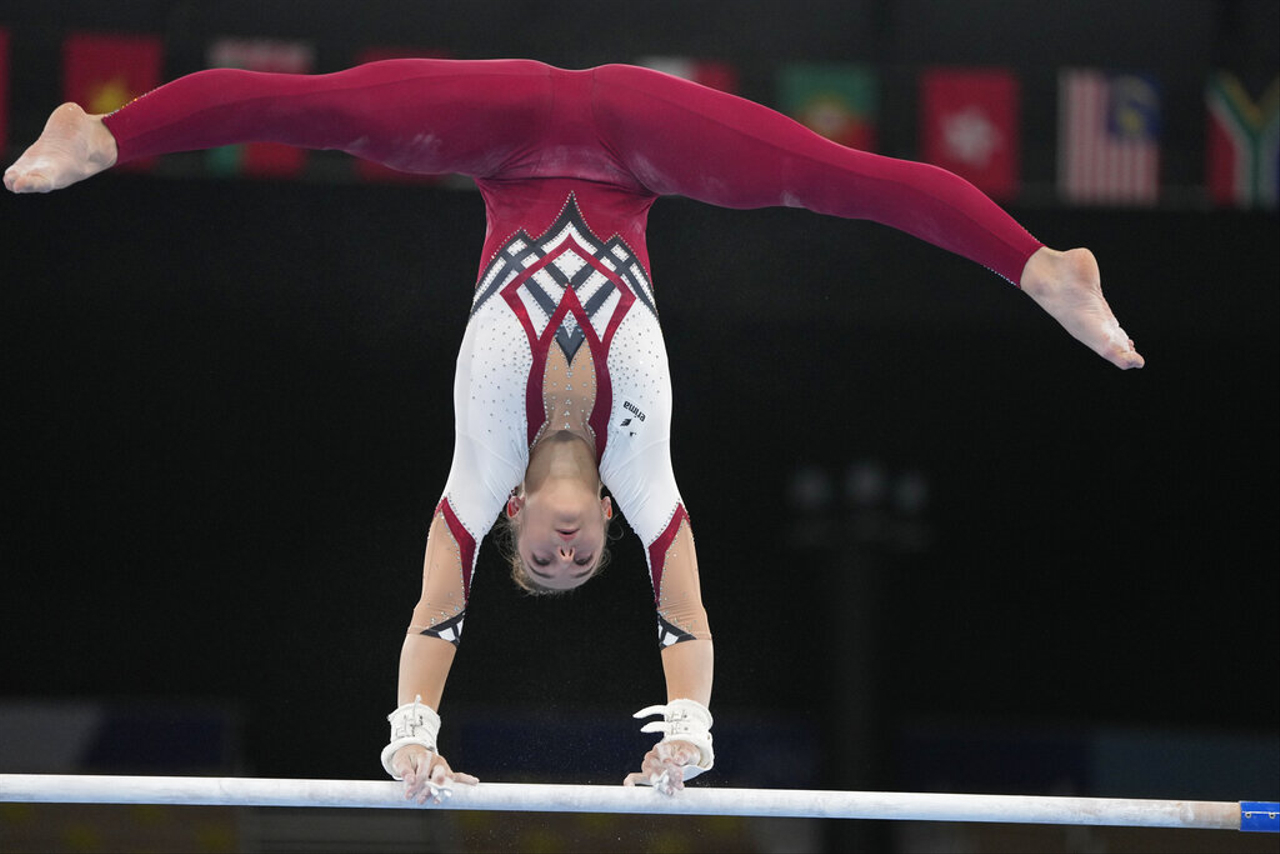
564, 313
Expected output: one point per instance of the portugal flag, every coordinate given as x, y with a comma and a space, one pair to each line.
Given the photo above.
969, 126
838, 101
1243, 144
266, 159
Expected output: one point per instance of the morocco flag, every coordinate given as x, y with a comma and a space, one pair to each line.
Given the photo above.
265, 159
969, 126
1243, 144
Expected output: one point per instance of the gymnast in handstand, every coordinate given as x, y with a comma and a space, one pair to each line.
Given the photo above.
562, 388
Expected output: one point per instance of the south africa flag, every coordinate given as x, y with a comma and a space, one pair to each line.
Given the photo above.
1243, 145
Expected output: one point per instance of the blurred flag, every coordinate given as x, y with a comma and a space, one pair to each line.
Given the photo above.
102, 73
838, 101
4, 90
717, 75
969, 126
265, 159
1242, 150
377, 54
1108, 137
369, 170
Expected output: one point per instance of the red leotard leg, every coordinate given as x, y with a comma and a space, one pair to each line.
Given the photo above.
684, 139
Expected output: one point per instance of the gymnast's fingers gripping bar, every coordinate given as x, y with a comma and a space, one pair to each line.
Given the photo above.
528, 797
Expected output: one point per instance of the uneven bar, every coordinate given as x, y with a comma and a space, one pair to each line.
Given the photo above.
528, 797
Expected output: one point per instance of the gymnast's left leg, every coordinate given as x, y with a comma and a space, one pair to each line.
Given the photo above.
1068, 286
684, 139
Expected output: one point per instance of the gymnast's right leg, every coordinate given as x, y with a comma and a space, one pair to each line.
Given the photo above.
74, 145
425, 116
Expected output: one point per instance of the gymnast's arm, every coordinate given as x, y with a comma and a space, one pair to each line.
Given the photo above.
645, 487
425, 660
417, 115
687, 665
478, 484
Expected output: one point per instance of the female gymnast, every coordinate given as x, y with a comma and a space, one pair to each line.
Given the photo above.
562, 386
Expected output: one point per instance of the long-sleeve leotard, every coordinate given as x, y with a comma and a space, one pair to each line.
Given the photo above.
564, 311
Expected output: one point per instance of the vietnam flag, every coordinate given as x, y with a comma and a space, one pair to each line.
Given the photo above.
1243, 146
373, 171
102, 73
969, 126
264, 159
4, 89
836, 100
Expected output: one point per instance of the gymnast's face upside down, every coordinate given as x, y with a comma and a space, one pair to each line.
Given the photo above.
559, 519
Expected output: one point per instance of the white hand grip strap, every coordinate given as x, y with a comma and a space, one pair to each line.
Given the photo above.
684, 720
412, 723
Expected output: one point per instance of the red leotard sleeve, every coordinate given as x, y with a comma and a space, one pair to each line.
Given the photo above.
683, 139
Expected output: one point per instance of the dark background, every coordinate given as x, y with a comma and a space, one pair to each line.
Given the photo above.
226, 414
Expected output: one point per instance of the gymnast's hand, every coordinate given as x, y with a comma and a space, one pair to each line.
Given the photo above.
664, 766
427, 775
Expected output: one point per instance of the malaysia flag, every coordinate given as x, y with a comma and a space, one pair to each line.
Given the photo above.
1108, 138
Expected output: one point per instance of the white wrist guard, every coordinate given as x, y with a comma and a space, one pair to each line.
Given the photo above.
412, 723
684, 720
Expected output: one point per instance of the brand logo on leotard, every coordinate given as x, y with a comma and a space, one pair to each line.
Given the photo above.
631, 407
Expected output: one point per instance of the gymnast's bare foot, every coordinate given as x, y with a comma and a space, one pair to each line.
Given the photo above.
1068, 286
73, 146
